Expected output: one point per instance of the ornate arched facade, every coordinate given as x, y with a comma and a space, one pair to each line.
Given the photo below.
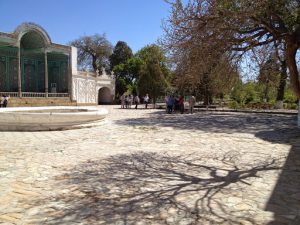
31, 65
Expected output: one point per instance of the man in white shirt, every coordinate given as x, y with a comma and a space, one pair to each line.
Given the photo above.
146, 101
192, 102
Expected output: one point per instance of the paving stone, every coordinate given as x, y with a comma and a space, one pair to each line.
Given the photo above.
148, 167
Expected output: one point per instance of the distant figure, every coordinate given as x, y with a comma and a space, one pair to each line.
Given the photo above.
170, 104
146, 101
5, 101
181, 104
126, 101
136, 101
192, 102
1, 101
130, 98
122, 101
176, 103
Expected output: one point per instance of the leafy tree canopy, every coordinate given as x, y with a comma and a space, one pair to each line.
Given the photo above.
154, 71
121, 53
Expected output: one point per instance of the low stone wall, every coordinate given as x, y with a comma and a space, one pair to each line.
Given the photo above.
28, 102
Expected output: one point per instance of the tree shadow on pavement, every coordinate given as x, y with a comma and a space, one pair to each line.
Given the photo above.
152, 188
219, 122
285, 199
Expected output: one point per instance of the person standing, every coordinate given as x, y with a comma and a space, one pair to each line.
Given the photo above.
192, 102
181, 104
136, 101
126, 101
5, 101
130, 100
122, 101
170, 104
146, 101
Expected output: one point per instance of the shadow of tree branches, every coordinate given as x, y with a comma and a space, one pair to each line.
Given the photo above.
284, 202
285, 199
152, 188
215, 121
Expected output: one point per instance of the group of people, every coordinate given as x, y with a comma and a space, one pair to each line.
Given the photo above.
128, 100
177, 103
4, 101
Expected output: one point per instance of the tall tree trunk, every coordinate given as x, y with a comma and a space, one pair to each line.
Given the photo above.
207, 91
291, 51
282, 83
266, 92
94, 63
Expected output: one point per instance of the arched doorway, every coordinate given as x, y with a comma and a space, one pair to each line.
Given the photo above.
104, 96
44, 68
32, 45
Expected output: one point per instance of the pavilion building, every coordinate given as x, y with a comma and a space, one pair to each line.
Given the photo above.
33, 68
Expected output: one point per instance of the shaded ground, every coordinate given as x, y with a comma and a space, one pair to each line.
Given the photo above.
148, 167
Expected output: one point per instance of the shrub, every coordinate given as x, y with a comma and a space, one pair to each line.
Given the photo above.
234, 105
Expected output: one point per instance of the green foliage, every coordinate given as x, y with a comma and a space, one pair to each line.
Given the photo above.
251, 94
154, 72
121, 86
245, 93
129, 70
234, 105
152, 52
124, 73
289, 96
121, 53
290, 106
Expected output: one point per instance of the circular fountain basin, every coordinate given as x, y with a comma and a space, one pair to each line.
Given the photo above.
48, 118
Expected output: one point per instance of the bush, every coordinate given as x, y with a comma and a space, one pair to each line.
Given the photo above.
289, 96
293, 106
234, 105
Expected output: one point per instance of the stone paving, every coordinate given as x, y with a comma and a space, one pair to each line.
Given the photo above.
149, 167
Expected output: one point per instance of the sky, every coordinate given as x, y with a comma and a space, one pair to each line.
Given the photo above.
137, 22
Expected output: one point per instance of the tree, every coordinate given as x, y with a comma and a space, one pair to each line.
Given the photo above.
125, 66
126, 74
280, 50
269, 76
93, 52
239, 25
121, 53
154, 72
204, 75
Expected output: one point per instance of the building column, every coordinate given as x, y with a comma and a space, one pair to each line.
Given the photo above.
46, 74
70, 81
19, 73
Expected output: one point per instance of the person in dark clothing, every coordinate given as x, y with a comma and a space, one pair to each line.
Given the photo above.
5, 101
170, 104
181, 104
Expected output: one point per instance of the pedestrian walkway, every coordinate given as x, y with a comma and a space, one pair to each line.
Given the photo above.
149, 167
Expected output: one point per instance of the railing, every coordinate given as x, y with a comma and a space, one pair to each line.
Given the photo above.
11, 94
35, 94
58, 95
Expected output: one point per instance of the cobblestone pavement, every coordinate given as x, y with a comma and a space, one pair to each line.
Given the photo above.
148, 167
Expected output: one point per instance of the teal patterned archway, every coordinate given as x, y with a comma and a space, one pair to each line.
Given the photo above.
29, 62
